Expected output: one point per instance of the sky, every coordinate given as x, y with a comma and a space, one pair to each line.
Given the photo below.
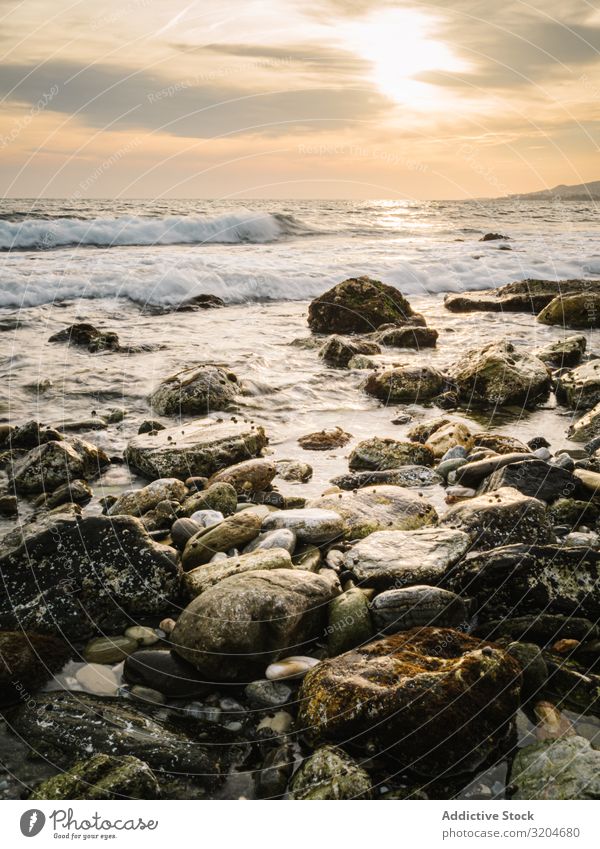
236, 99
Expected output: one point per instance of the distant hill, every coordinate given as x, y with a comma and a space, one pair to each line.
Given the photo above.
584, 191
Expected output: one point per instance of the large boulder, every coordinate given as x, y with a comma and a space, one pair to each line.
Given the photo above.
380, 454
515, 580
85, 335
200, 448
437, 700
567, 768
404, 558
378, 508
68, 726
580, 388
198, 390
499, 374
203, 577
528, 296
27, 662
405, 384
578, 311
337, 351
136, 502
72, 576
234, 629
359, 305
51, 464
501, 517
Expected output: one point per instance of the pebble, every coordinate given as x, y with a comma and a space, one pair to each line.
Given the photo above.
295, 666
196, 484
109, 649
446, 467
144, 636
167, 625
207, 518
182, 530
280, 538
147, 694
455, 494
542, 453
565, 646
457, 452
268, 694
97, 679
280, 723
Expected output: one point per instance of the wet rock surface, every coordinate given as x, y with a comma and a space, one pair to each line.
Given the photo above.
358, 305
197, 390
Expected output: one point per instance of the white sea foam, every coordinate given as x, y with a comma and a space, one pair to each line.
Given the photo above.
241, 226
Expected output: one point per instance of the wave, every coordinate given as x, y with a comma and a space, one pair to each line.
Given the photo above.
242, 226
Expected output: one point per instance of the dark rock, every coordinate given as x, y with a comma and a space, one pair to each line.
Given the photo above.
275, 772
9, 506
77, 491
45, 468
65, 726
533, 667
338, 352
87, 336
72, 575
441, 701
183, 530
102, 777
529, 296
567, 768
521, 579
268, 694
329, 774
149, 425
164, 671
31, 435
197, 390
493, 237
408, 476
541, 628
501, 517
324, 440
358, 305
405, 383
564, 353
349, 623
407, 337
532, 477
27, 662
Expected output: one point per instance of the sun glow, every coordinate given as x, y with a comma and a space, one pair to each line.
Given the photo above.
400, 46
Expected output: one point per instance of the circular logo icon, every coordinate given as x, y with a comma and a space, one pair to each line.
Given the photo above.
32, 822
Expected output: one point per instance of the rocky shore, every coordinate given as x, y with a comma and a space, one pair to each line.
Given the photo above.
424, 626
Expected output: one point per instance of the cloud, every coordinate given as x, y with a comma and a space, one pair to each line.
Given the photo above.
310, 57
199, 107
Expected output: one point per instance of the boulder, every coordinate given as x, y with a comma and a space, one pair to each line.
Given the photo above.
309, 525
416, 607
565, 353
136, 502
529, 296
198, 390
567, 768
381, 454
405, 384
535, 478
580, 388
409, 476
27, 662
67, 726
337, 352
515, 580
499, 374
359, 305
278, 538
378, 508
247, 477
197, 449
587, 427
203, 577
233, 630
438, 700
101, 777
233, 532
404, 558
411, 336
51, 464
329, 774
69, 575
578, 311
502, 517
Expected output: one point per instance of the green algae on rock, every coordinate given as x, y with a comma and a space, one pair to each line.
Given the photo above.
359, 305
578, 310
383, 454
197, 390
330, 773
102, 777
438, 699
568, 768
405, 384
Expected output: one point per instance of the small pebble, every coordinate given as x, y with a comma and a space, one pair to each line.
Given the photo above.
147, 694
268, 694
143, 635
109, 649
167, 625
280, 723
295, 666
565, 646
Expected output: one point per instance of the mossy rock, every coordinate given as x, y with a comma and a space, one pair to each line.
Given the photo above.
405, 384
330, 774
578, 311
359, 305
102, 777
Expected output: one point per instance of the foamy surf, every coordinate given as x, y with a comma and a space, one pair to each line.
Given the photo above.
239, 227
